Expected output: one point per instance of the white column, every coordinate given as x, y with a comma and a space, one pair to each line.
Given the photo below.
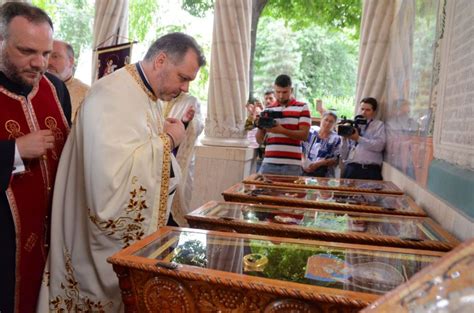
229, 77
223, 157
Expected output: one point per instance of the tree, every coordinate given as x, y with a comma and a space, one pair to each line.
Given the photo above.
328, 61
72, 21
297, 13
140, 16
270, 59
337, 14
322, 62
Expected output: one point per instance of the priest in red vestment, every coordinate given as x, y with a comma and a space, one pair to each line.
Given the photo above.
34, 117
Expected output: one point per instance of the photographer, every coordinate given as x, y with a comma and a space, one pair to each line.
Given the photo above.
283, 126
362, 151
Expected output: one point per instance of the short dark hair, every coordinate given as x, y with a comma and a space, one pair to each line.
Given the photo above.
371, 101
269, 92
175, 45
10, 10
283, 81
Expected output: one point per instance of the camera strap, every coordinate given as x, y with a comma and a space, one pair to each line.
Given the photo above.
315, 138
365, 128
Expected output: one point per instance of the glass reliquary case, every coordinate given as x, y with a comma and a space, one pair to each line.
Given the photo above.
344, 184
323, 224
444, 287
333, 199
191, 270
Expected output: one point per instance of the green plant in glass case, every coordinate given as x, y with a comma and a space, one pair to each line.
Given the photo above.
288, 261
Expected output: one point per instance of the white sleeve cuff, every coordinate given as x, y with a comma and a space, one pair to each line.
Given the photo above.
18, 166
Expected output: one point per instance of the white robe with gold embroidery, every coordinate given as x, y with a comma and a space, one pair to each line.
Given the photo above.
111, 189
185, 156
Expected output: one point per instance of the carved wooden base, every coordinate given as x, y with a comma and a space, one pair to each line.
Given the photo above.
158, 293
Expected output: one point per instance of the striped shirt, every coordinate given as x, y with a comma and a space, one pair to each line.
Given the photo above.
281, 149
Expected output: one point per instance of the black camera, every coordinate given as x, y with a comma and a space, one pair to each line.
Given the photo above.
267, 118
347, 127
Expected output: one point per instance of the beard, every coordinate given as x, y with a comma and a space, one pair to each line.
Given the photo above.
283, 101
12, 72
164, 92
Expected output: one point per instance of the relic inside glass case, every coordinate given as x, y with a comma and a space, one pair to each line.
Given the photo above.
361, 185
330, 225
337, 266
362, 202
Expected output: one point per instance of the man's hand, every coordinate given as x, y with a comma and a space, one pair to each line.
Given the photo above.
314, 166
188, 115
355, 136
35, 144
175, 129
277, 129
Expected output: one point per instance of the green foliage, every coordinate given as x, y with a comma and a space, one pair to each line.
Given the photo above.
344, 105
336, 14
141, 13
72, 21
319, 48
277, 52
198, 8
329, 61
322, 61
288, 261
299, 13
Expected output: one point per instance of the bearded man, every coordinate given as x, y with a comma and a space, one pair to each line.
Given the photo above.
34, 115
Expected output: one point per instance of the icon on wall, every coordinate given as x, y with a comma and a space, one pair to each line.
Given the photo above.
112, 58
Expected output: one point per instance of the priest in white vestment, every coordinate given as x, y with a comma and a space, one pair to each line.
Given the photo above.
187, 109
116, 176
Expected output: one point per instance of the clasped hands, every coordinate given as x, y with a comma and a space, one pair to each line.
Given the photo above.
174, 128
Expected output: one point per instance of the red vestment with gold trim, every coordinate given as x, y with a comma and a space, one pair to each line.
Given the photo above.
30, 192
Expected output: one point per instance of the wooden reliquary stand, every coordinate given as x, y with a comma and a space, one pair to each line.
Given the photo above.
190, 270
342, 184
336, 200
323, 224
445, 286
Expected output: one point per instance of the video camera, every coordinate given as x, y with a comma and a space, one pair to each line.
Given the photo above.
347, 127
267, 118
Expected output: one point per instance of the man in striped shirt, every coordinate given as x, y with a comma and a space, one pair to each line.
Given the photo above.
283, 140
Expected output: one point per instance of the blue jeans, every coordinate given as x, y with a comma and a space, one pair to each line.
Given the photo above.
280, 169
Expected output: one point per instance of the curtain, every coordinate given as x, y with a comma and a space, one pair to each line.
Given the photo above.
110, 26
